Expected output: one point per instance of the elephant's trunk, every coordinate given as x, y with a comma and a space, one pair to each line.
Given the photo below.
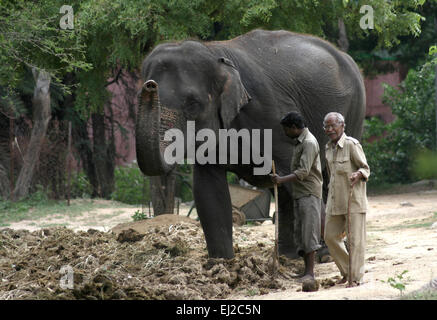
152, 122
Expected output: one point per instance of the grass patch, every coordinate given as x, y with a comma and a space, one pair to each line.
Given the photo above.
415, 224
429, 294
50, 225
38, 206
397, 188
112, 214
412, 224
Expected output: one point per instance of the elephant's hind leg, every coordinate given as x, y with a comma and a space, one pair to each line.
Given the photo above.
214, 208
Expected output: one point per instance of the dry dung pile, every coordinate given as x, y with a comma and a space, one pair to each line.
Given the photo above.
142, 226
156, 261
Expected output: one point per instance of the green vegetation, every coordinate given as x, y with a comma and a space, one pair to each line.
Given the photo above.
393, 157
428, 294
424, 223
398, 282
411, 224
184, 182
80, 186
387, 188
31, 38
232, 178
252, 292
131, 186
425, 165
38, 205
139, 216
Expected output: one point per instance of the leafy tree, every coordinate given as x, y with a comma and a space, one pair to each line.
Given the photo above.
30, 40
392, 19
30, 37
413, 51
119, 35
337, 21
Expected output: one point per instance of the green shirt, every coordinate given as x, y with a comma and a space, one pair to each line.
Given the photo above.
305, 164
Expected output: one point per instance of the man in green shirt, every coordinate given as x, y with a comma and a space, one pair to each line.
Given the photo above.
306, 179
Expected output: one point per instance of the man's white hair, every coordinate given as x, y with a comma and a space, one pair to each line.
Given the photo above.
338, 116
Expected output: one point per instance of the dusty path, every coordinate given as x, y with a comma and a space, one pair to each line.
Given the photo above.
401, 230
400, 237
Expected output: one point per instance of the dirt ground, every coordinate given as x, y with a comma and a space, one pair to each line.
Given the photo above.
111, 257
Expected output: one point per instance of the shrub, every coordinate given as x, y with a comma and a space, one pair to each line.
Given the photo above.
425, 165
392, 156
80, 186
131, 186
184, 182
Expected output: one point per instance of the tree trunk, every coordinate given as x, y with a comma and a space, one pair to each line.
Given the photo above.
103, 155
82, 144
435, 81
343, 41
5, 158
41, 118
162, 191
97, 155
4, 183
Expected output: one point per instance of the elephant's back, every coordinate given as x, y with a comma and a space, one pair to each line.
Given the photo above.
300, 57
308, 73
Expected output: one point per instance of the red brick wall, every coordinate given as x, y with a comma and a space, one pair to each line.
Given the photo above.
375, 90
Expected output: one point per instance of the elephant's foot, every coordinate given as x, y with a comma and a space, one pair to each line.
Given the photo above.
219, 245
223, 253
218, 237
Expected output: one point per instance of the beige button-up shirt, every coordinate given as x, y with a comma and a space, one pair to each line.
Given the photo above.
305, 164
344, 158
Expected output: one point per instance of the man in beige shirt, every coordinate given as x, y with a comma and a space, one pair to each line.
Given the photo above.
347, 167
306, 179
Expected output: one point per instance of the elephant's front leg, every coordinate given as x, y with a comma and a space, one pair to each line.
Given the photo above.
214, 208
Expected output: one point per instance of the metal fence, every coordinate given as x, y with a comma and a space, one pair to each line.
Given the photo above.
58, 172
52, 166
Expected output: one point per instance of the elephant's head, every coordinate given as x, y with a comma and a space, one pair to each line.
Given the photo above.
183, 82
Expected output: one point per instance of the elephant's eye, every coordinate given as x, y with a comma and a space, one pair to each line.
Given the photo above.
192, 107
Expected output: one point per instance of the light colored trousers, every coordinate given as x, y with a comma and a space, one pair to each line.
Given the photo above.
335, 226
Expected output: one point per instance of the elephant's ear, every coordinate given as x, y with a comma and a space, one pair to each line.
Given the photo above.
234, 95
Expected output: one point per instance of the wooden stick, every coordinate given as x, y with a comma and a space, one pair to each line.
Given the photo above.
349, 239
276, 254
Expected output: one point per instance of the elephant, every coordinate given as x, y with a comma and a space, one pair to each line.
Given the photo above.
250, 82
